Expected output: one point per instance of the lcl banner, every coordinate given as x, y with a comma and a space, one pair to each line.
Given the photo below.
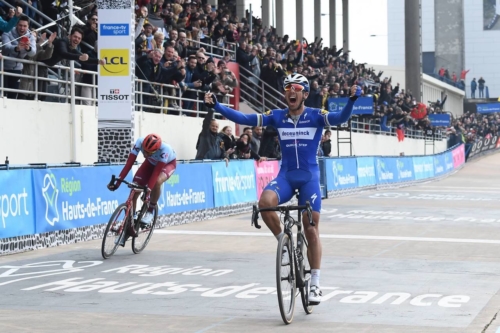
116, 78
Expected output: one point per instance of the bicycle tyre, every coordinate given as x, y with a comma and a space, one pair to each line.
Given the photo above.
286, 310
106, 254
137, 247
305, 277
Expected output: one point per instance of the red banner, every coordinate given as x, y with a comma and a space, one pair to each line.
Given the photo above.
264, 173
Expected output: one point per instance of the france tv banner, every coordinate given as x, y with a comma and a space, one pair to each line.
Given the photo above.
189, 188
442, 119
234, 183
68, 198
363, 105
341, 173
116, 79
423, 166
17, 207
366, 171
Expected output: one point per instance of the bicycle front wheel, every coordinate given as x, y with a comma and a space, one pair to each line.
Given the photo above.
305, 275
144, 233
115, 231
285, 278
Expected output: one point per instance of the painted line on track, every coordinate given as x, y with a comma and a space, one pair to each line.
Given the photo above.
332, 236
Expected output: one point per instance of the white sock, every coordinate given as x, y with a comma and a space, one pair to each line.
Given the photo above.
315, 277
279, 235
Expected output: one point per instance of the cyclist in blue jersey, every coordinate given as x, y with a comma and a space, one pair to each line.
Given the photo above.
159, 165
299, 129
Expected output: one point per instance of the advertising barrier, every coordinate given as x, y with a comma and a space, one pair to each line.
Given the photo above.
483, 145
264, 173
16, 203
386, 170
189, 188
366, 171
234, 183
68, 198
423, 166
44, 200
341, 173
488, 108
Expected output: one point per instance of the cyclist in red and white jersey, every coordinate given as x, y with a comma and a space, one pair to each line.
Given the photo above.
159, 165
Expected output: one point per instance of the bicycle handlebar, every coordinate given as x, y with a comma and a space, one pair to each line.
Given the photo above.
256, 211
130, 185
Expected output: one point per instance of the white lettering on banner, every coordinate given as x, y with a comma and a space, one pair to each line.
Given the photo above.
13, 205
269, 168
347, 179
405, 174
385, 175
304, 133
77, 211
77, 285
183, 199
367, 171
428, 167
234, 183
419, 167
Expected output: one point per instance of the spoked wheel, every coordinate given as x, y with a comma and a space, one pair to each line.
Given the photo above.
115, 231
144, 233
285, 279
304, 275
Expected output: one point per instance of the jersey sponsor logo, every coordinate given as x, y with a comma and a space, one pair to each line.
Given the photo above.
268, 113
306, 133
323, 112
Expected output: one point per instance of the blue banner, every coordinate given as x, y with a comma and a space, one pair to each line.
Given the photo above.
75, 197
366, 171
341, 173
442, 119
404, 166
16, 203
448, 161
234, 183
386, 170
440, 165
363, 105
424, 167
488, 108
189, 188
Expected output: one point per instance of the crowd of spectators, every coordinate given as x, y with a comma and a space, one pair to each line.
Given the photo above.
472, 126
173, 40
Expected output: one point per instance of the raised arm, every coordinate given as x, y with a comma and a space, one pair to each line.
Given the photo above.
233, 115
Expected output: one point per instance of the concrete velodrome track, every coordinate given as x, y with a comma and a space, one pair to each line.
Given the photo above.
418, 259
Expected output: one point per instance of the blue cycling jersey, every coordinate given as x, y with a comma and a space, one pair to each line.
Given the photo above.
299, 140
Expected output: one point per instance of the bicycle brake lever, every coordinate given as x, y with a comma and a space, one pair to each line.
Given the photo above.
255, 217
112, 182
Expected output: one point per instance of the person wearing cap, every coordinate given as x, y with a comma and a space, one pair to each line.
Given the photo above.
145, 43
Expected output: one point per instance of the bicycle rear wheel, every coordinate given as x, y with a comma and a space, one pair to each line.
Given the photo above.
285, 279
115, 231
144, 233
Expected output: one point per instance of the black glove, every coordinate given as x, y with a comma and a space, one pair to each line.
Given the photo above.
214, 99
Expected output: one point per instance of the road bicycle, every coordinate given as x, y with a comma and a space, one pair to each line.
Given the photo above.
296, 274
123, 224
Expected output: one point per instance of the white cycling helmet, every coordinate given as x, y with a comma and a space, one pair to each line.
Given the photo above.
297, 79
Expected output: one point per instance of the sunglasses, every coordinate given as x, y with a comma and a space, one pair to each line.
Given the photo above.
294, 87
151, 152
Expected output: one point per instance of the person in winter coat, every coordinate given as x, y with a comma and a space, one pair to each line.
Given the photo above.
473, 87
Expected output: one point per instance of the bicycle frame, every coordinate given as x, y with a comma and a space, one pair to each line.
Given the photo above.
134, 188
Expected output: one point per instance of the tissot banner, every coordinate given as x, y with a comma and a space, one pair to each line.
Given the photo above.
116, 78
